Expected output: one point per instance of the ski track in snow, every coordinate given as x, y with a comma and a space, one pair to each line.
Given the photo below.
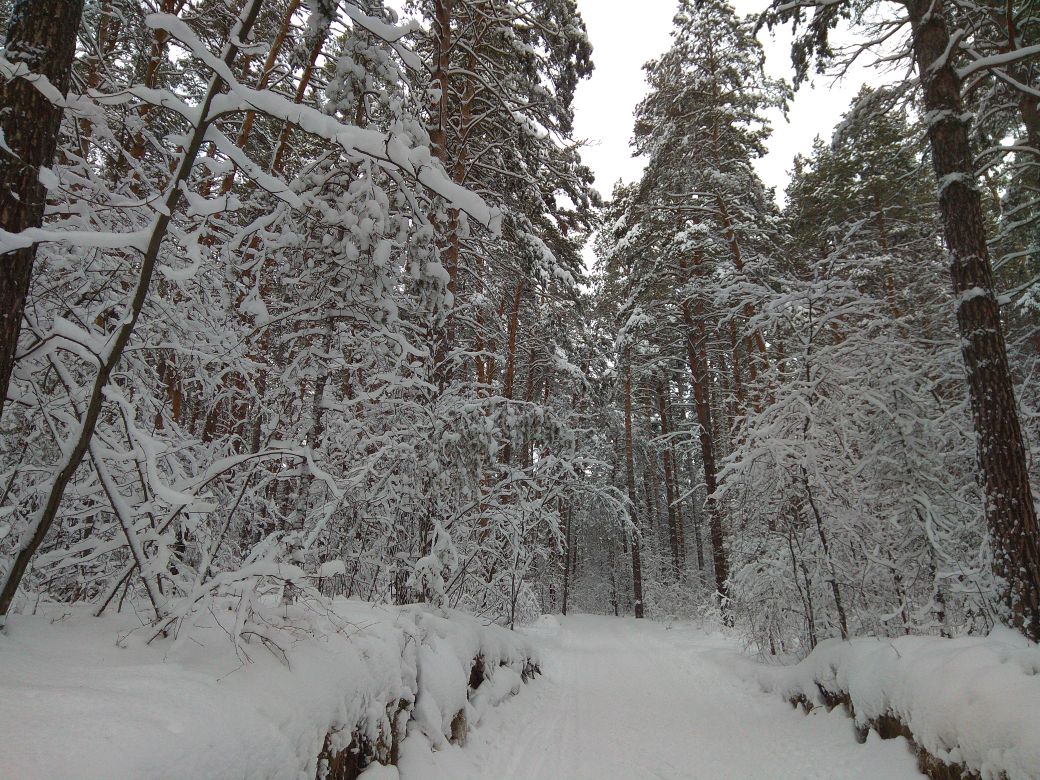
627, 700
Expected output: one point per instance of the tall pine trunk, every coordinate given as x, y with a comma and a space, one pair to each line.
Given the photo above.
670, 492
630, 482
440, 144
509, 378
41, 37
696, 353
1010, 512
695, 519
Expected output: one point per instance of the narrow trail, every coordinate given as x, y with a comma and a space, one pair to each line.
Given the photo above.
625, 700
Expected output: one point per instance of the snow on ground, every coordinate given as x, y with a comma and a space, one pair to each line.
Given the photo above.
972, 700
627, 700
618, 698
90, 699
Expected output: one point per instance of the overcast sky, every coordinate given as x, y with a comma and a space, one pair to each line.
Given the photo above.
622, 41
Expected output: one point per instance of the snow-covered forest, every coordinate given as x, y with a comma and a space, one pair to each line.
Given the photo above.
311, 307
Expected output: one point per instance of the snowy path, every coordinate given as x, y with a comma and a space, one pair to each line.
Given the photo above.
627, 700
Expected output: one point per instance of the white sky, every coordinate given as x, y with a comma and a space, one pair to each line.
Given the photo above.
622, 41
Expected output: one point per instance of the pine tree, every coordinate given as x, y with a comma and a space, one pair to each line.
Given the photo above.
40, 41
701, 127
1010, 511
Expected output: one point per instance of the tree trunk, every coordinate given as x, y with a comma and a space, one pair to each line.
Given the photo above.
649, 488
698, 544
79, 443
513, 327
440, 143
669, 487
1010, 512
510, 371
696, 353
630, 481
42, 37
568, 546
832, 574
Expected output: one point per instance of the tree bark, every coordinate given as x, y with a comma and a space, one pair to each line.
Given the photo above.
669, 487
698, 544
630, 481
1010, 512
649, 488
41, 37
697, 356
568, 545
79, 444
510, 371
832, 574
440, 143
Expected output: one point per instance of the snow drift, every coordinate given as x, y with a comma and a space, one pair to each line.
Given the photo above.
320, 694
970, 705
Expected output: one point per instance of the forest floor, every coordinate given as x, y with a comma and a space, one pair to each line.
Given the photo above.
621, 698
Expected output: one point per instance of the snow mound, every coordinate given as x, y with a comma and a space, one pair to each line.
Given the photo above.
91, 699
972, 702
